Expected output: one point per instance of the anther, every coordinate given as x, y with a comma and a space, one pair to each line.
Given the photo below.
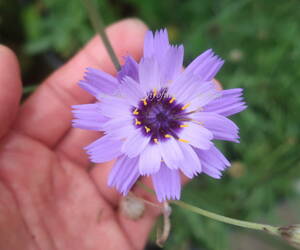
185, 106
137, 122
144, 101
155, 140
168, 136
147, 129
172, 100
183, 140
184, 125
136, 112
154, 92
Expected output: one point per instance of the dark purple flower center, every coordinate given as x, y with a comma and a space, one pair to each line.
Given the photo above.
159, 116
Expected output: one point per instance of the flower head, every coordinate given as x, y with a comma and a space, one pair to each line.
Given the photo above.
158, 119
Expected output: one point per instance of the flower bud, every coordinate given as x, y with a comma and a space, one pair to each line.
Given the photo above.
291, 234
132, 207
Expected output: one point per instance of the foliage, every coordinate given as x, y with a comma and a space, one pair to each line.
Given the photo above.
259, 40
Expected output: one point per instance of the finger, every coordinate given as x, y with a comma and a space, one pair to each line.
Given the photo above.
46, 114
136, 231
10, 88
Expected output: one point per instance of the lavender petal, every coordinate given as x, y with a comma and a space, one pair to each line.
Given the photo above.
124, 174
166, 183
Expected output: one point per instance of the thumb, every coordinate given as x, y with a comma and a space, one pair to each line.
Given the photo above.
10, 88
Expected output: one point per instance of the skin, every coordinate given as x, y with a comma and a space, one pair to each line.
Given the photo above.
51, 198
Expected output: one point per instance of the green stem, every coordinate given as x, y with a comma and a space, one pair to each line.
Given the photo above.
145, 187
240, 223
99, 27
221, 218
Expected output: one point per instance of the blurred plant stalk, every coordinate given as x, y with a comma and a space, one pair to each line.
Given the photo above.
290, 233
99, 27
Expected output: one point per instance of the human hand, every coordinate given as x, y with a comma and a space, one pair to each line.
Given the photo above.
48, 198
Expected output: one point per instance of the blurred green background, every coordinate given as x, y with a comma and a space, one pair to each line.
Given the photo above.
260, 41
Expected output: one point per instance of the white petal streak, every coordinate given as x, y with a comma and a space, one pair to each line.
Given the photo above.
150, 160
190, 164
204, 98
172, 63
132, 90
167, 184
135, 143
219, 125
104, 149
124, 174
149, 74
171, 153
182, 84
197, 136
148, 44
118, 128
114, 107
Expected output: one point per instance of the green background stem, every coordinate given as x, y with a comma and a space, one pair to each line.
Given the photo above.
221, 218
240, 223
99, 27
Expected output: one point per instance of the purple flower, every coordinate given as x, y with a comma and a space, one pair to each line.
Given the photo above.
158, 119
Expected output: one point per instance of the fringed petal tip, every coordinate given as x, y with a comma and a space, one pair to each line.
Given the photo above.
104, 149
97, 82
213, 162
229, 103
88, 125
167, 190
129, 69
87, 116
206, 65
123, 178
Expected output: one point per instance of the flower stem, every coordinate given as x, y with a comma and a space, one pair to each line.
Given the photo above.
240, 223
145, 187
256, 226
99, 27
163, 235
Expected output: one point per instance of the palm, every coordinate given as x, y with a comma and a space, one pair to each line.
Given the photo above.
49, 198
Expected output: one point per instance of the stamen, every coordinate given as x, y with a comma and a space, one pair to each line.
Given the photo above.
154, 92
184, 125
144, 101
147, 129
136, 112
200, 123
186, 106
183, 140
172, 100
155, 140
137, 122
168, 136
